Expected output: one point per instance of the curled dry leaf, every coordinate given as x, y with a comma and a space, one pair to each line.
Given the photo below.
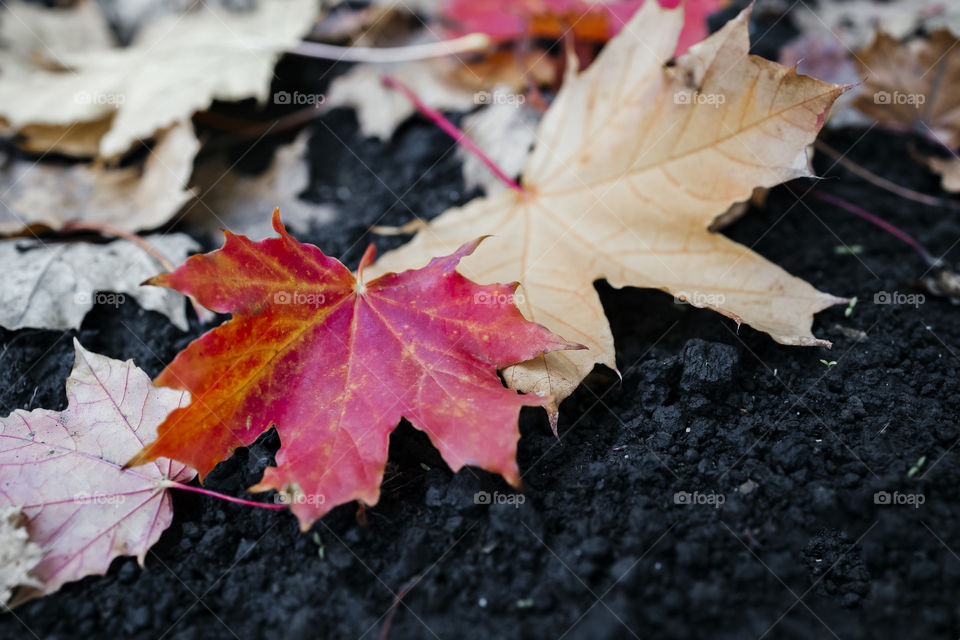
944, 283
130, 198
236, 202
633, 161
335, 361
949, 171
19, 556
55, 284
63, 469
913, 86
176, 65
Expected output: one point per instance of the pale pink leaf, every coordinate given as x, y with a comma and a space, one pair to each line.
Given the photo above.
64, 470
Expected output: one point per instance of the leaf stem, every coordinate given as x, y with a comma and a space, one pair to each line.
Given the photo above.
883, 183
173, 484
107, 230
880, 222
452, 130
463, 44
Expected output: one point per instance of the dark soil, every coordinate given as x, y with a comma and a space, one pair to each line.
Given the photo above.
600, 548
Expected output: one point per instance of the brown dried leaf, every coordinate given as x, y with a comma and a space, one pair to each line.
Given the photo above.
130, 198
913, 86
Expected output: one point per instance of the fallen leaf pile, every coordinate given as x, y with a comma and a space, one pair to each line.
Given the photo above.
656, 136
176, 65
68, 89
335, 361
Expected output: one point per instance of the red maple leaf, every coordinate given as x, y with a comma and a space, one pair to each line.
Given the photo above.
335, 363
593, 21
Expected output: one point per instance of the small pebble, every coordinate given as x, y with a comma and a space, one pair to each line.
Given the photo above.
748, 487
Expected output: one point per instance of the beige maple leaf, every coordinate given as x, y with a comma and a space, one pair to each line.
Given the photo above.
633, 161
176, 65
913, 86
